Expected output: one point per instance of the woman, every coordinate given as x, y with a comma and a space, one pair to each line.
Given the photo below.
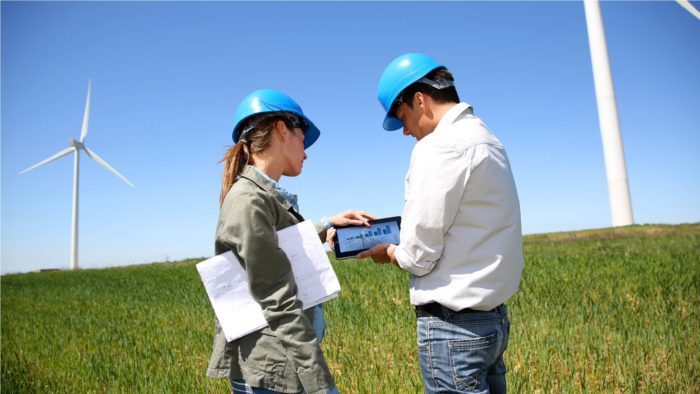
270, 134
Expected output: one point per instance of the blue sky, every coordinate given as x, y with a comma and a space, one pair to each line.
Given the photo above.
167, 77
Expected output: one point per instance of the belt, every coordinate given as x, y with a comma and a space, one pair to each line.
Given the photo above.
437, 310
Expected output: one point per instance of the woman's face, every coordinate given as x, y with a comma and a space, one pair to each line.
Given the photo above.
294, 152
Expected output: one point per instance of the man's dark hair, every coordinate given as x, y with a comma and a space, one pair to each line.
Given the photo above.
445, 95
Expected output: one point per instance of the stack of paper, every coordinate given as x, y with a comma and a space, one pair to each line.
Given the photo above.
226, 281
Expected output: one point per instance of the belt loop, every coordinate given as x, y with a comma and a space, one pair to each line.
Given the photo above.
446, 312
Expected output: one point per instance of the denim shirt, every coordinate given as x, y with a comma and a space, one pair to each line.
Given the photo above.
319, 322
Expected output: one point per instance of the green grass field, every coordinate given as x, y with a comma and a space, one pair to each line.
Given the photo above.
597, 311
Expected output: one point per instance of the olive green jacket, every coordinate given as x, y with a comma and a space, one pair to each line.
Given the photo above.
285, 356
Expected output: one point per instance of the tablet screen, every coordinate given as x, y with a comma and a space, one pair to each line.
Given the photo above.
349, 241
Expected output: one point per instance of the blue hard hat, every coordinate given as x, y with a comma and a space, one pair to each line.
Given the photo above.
398, 75
270, 100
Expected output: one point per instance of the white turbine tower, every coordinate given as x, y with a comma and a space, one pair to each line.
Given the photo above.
75, 147
618, 186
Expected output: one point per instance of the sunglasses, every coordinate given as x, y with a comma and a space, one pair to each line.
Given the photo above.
294, 121
297, 122
396, 104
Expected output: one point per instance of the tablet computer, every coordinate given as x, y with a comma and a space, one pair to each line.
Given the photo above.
351, 240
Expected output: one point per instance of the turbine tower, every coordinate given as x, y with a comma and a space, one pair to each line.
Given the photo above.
75, 147
618, 186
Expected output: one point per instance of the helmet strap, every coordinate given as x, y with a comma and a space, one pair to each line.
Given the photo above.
246, 150
441, 84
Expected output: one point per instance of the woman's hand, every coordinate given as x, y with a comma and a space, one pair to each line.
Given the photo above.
347, 218
352, 218
329, 237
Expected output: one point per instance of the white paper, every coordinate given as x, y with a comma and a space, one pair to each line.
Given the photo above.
226, 281
226, 284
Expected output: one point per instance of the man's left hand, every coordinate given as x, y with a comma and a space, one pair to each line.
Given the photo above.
381, 253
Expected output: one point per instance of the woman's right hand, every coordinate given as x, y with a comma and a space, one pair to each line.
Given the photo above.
347, 218
352, 218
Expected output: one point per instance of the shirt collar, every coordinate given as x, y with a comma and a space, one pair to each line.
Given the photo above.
453, 114
273, 187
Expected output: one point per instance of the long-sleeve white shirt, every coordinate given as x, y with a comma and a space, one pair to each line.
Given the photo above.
460, 229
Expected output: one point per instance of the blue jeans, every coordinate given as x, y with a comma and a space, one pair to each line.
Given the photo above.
238, 386
463, 352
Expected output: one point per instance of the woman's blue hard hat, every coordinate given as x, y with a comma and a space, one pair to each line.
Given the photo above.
269, 100
398, 75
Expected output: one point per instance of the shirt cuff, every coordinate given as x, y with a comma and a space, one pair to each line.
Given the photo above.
404, 261
325, 222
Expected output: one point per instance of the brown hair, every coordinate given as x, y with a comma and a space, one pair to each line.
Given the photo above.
256, 140
446, 95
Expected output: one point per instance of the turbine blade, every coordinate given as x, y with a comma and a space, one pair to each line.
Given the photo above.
52, 158
104, 164
689, 7
86, 115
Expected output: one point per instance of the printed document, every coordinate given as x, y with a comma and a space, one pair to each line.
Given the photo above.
226, 281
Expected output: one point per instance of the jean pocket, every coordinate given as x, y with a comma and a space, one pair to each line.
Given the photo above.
470, 360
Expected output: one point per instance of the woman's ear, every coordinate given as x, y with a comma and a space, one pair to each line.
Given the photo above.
281, 130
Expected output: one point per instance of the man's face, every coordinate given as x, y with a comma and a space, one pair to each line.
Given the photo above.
412, 119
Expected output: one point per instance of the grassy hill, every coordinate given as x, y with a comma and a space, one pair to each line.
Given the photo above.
599, 310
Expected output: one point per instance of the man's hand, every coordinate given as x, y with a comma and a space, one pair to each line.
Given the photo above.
381, 254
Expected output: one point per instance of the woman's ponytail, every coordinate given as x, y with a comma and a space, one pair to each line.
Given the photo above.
234, 160
257, 139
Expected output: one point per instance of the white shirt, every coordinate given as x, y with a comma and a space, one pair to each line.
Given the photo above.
460, 229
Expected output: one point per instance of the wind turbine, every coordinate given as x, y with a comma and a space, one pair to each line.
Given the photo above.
75, 147
618, 186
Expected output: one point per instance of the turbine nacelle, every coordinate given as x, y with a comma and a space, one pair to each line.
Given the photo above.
76, 144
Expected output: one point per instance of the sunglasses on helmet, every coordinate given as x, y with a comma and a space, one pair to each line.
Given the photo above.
297, 122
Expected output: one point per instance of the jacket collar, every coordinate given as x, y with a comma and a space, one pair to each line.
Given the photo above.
250, 174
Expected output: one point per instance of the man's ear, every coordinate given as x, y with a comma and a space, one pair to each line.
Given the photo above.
419, 99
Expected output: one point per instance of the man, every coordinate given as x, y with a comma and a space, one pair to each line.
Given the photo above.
461, 239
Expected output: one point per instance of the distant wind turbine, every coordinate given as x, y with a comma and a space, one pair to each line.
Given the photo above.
618, 186
76, 147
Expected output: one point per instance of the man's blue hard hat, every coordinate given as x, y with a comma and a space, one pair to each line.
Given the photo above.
398, 75
269, 100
